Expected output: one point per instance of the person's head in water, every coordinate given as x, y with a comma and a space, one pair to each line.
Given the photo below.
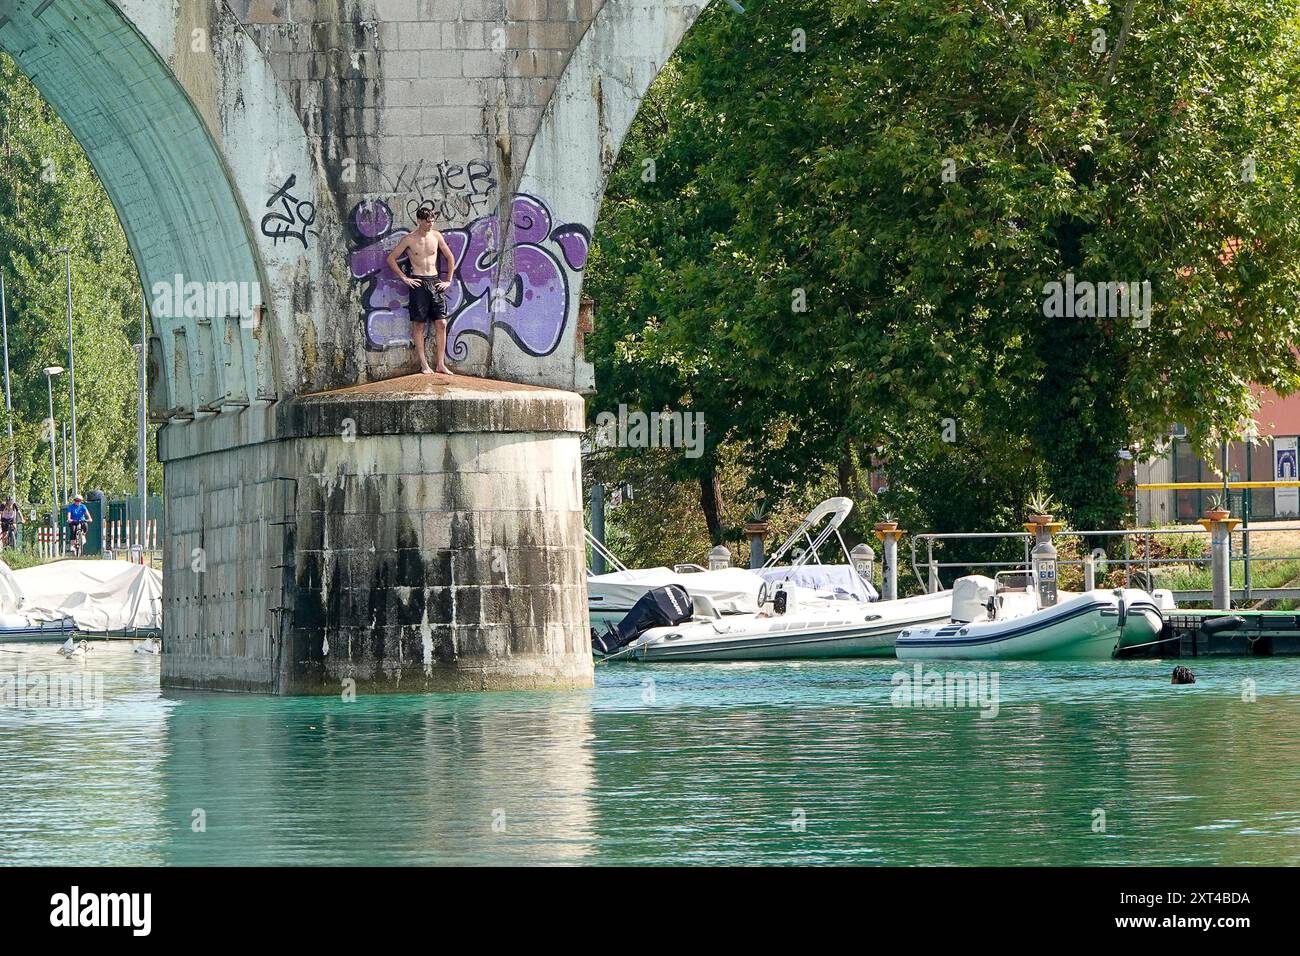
424, 218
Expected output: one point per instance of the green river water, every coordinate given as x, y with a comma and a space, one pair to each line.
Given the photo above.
679, 764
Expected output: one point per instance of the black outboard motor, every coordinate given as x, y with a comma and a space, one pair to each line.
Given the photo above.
658, 607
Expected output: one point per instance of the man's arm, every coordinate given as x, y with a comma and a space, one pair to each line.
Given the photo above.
392, 262
451, 260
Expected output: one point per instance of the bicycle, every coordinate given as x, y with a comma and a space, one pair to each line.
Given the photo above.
78, 543
8, 534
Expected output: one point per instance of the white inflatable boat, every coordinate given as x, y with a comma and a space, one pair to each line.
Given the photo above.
808, 627
991, 621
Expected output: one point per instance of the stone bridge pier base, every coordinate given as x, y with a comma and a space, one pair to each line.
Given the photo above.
410, 535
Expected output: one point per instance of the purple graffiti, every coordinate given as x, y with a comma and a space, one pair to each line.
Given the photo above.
531, 308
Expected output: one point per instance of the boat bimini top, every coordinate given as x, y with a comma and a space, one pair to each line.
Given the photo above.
807, 570
737, 590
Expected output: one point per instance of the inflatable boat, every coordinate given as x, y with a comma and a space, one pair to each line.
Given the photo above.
792, 625
612, 596
990, 622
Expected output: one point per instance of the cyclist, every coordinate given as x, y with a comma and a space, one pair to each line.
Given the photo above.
78, 520
11, 516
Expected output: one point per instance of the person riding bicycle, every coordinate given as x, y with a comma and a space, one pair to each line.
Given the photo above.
78, 519
11, 516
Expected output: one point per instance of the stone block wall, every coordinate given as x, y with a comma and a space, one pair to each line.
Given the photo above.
402, 542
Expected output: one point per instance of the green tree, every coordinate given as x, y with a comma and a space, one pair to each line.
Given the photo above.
50, 199
920, 172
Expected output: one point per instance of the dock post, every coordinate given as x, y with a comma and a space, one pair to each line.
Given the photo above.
888, 532
757, 531
1220, 529
1089, 573
597, 525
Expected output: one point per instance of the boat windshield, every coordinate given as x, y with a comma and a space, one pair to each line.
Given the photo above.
1020, 580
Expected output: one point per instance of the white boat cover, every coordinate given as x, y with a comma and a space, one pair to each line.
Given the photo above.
11, 592
97, 595
731, 589
838, 580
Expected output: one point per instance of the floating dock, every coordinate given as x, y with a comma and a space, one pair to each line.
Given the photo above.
1211, 633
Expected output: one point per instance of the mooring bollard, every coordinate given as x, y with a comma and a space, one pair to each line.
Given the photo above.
889, 532
1089, 573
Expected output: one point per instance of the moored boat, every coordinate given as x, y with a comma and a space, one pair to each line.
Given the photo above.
805, 628
735, 590
991, 622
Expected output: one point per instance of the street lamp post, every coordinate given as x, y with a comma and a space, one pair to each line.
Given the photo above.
72, 376
142, 435
9, 405
51, 371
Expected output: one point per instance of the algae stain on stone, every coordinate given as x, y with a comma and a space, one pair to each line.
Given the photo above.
307, 335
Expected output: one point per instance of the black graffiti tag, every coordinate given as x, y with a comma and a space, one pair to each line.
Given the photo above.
293, 217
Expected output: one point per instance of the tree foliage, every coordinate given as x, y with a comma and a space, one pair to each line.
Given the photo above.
918, 172
51, 199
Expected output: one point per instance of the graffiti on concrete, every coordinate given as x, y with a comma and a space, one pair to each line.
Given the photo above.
531, 307
294, 217
452, 190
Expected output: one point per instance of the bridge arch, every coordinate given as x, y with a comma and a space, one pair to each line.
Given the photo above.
592, 108
157, 163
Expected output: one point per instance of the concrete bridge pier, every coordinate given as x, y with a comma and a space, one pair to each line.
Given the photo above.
410, 535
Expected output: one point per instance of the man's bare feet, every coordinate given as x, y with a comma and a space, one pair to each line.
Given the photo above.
443, 370
425, 370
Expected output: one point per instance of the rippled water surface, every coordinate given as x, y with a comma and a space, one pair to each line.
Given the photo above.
739, 763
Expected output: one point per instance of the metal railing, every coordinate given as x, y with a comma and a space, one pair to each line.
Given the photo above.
1143, 563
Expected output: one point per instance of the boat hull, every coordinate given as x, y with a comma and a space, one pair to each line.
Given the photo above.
1085, 628
864, 631
52, 632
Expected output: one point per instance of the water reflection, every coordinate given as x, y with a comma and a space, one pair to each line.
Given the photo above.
394, 780
683, 764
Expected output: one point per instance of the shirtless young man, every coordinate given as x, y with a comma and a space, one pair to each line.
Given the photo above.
427, 301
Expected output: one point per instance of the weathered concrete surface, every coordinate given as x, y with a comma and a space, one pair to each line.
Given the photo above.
427, 535
286, 145
264, 156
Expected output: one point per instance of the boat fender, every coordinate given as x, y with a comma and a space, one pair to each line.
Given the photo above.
1122, 607
1183, 675
1219, 624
